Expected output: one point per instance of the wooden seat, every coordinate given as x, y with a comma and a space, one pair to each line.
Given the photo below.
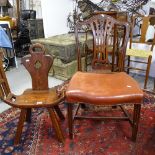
136, 52
40, 96
104, 89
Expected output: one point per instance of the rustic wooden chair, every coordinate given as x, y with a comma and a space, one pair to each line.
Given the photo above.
40, 96
135, 52
103, 89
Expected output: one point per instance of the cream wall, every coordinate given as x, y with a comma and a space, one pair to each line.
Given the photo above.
54, 13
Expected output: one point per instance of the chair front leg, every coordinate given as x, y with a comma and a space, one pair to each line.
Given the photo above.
70, 119
136, 117
28, 115
59, 113
56, 125
20, 126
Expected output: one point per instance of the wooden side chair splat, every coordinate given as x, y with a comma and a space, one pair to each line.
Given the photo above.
105, 43
38, 65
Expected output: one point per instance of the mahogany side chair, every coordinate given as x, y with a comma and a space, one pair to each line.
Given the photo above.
40, 95
103, 89
142, 55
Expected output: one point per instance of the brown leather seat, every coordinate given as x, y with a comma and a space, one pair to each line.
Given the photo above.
101, 88
97, 89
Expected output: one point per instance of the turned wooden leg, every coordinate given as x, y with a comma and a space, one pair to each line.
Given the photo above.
28, 115
147, 71
136, 117
56, 125
20, 126
70, 120
58, 111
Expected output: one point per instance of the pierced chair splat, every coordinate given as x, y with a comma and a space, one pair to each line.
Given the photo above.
38, 65
109, 40
104, 89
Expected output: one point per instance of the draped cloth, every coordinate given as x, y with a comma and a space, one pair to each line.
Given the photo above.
4, 39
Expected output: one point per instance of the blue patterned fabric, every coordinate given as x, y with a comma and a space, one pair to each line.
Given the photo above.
4, 39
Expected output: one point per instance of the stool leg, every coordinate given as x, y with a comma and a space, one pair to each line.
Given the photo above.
136, 116
58, 111
28, 115
147, 71
56, 125
70, 120
20, 126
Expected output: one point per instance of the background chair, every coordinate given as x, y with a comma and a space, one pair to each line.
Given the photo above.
134, 51
40, 96
99, 89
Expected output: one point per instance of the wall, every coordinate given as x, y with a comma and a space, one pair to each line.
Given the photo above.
36, 5
55, 12
54, 15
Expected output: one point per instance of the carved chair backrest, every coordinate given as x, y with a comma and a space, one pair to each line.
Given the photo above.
121, 16
144, 22
109, 13
38, 65
4, 86
103, 27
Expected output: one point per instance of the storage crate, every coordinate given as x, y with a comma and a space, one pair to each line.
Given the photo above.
64, 71
63, 46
